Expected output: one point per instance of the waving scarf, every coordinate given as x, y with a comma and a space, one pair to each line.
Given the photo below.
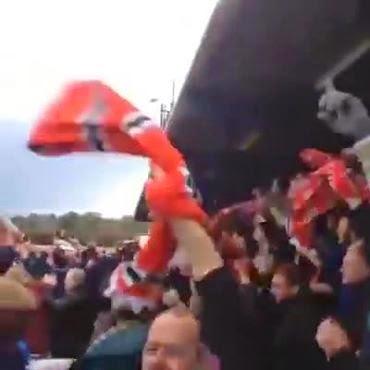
89, 116
319, 191
345, 184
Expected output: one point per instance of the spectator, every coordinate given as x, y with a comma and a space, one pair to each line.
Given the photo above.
9, 233
354, 305
60, 265
38, 330
122, 345
223, 325
16, 306
9, 236
277, 239
329, 251
173, 342
296, 321
336, 344
19, 274
356, 287
73, 318
94, 276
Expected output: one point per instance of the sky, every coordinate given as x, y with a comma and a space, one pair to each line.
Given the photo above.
138, 47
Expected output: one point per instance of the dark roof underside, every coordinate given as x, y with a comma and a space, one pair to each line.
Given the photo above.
249, 103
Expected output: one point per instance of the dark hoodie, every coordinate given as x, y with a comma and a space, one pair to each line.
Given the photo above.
352, 308
343, 361
72, 325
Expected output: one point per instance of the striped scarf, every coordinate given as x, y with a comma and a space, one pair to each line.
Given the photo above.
89, 116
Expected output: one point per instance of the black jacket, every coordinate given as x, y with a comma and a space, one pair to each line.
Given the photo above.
343, 361
293, 335
72, 325
229, 325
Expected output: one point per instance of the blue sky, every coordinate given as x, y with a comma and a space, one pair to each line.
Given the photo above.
137, 46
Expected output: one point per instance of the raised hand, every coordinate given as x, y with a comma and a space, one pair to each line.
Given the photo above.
344, 114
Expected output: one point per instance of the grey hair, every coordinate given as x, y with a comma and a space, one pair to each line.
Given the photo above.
78, 276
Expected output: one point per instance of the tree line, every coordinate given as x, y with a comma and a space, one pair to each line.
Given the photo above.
88, 227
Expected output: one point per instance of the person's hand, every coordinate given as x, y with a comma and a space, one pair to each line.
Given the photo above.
332, 338
344, 114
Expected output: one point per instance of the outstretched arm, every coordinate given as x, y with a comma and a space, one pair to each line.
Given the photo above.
198, 245
347, 115
224, 322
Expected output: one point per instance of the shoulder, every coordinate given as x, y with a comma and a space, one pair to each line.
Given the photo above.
119, 342
216, 279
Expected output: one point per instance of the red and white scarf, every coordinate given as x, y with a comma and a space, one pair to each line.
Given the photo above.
89, 116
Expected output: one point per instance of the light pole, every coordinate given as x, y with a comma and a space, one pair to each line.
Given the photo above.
165, 110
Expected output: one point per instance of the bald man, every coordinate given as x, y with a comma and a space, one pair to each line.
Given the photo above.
173, 342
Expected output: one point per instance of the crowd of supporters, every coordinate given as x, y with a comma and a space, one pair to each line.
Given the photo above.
246, 293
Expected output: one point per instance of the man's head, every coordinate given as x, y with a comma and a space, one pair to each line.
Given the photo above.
173, 342
332, 338
285, 282
74, 280
9, 233
36, 268
356, 264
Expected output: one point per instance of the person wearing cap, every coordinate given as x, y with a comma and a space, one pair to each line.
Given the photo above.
346, 114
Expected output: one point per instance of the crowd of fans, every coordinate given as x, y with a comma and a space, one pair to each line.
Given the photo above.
245, 295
